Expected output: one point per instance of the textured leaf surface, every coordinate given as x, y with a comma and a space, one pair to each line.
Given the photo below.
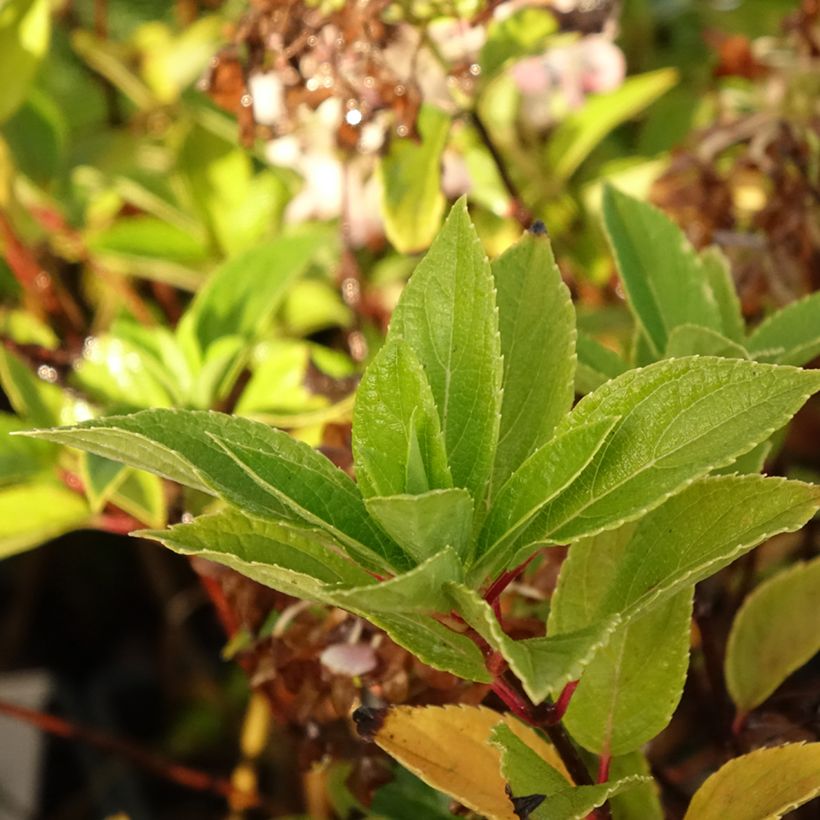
536, 321
790, 336
412, 199
398, 444
448, 748
765, 784
776, 631
447, 315
528, 774
662, 275
423, 525
679, 419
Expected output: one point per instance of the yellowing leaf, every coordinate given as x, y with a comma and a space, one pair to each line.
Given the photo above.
448, 747
764, 784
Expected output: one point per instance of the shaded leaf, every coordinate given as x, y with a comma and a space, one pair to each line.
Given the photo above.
142, 495
790, 336
597, 364
100, 477
693, 340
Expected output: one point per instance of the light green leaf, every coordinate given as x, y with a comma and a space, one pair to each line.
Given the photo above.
100, 477
663, 276
424, 524
20, 458
240, 298
693, 340
776, 631
261, 549
410, 173
142, 495
543, 665
536, 321
25, 26
148, 236
35, 400
680, 419
398, 444
520, 34
641, 802
529, 775
578, 134
762, 785
751, 462
597, 364
541, 478
790, 336
221, 367
719, 276
36, 512
447, 315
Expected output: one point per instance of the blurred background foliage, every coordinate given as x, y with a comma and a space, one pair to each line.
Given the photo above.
211, 204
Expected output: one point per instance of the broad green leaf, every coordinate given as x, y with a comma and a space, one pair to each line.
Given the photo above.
694, 340
578, 134
419, 590
24, 33
447, 315
536, 321
20, 458
641, 802
221, 366
422, 525
764, 784
36, 136
680, 419
529, 775
35, 400
597, 364
449, 748
790, 336
142, 495
751, 462
719, 276
35, 512
408, 798
662, 274
148, 236
397, 439
776, 631
100, 477
434, 644
520, 34
410, 173
543, 665
315, 490
545, 474
241, 296
261, 548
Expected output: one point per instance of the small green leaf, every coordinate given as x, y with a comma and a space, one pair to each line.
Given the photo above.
597, 364
578, 134
664, 278
680, 419
142, 495
21, 459
694, 340
528, 775
641, 802
148, 236
776, 631
36, 512
719, 276
424, 524
536, 321
397, 439
764, 784
35, 400
100, 477
261, 548
447, 315
410, 173
790, 336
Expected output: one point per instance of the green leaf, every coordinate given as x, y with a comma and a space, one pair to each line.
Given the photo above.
35, 400
663, 276
719, 276
36, 512
21, 459
641, 802
528, 775
142, 495
680, 419
398, 444
536, 321
541, 478
597, 364
410, 172
522, 33
790, 336
148, 236
100, 477
424, 524
578, 134
260, 548
447, 315
240, 298
406, 797
776, 631
694, 340
36, 135
25, 26
543, 665
766, 783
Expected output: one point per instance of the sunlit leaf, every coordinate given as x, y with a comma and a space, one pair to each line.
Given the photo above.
790, 336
